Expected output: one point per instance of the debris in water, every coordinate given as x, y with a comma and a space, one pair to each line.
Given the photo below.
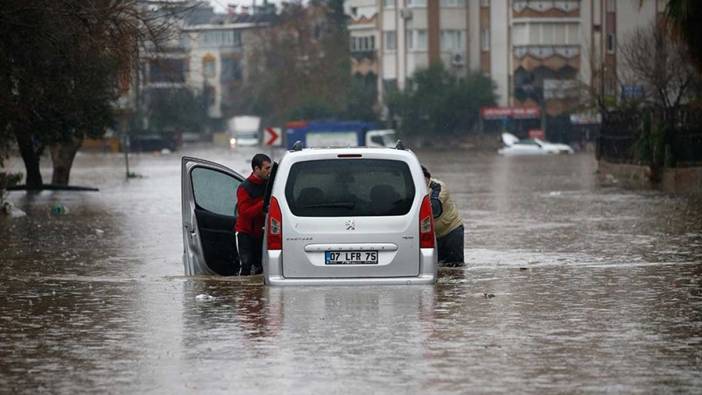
488, 296
59, 209
204, 298
99, 232
9, 209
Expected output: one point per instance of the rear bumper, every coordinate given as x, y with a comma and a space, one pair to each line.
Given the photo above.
273, 273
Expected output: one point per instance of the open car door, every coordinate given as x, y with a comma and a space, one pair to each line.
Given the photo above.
208, 192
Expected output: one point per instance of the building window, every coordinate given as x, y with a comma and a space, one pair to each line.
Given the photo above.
611, 5
485, 3
417, 40
520, 34
220, 38
167, 70
611, 42
453, 3
573, 34
231, 70
485, 40
549, 33
362, 44
390, 40
451, 40
389, 3
416, 3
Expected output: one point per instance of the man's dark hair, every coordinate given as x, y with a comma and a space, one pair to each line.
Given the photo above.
258, 160
426, 172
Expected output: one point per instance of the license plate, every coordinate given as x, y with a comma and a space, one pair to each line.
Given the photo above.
350, 257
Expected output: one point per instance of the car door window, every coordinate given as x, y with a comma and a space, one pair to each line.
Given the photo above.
214, 190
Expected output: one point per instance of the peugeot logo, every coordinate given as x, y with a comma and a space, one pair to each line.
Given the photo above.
350, 225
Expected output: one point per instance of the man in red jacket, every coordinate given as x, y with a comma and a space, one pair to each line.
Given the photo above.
249, 216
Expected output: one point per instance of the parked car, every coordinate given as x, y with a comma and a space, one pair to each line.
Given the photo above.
349, 216
150, 142
334, 216
515, 146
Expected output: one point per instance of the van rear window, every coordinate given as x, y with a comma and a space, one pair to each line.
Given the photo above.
349, 188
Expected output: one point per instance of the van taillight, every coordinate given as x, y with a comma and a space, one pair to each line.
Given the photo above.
426, 224
275, 226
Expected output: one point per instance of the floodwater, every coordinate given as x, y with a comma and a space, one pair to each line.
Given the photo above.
571, 286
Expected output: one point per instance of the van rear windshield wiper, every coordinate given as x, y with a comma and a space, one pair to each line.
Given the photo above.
348, 205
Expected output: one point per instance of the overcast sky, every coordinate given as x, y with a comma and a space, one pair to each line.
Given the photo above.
221, 5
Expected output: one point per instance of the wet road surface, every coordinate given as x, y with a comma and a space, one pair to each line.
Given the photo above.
571, 286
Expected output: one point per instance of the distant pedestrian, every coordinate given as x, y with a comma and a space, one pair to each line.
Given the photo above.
448, 224
249, 216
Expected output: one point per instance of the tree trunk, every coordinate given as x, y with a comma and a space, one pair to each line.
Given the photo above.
31, 157
62, 155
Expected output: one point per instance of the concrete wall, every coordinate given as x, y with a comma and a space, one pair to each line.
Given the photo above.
687, 180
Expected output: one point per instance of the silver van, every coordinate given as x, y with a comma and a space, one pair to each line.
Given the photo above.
348, 216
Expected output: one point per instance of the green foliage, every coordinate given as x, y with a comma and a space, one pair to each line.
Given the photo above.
61, 62
176, 110
362, 98
437, 102
312, 108
685, 16
60, 75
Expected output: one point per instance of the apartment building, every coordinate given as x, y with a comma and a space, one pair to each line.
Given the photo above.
206, 53
539, 52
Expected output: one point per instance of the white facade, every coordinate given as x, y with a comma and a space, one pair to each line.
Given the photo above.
216, 60
500, 49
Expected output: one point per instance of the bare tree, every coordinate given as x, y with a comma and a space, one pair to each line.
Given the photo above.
660, 64
300, 67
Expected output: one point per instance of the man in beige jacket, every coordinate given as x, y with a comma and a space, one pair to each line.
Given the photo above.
448, 224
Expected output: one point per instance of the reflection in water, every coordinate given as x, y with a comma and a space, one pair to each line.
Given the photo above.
570, 287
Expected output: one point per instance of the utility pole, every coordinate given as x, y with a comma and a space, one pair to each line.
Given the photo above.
137, 110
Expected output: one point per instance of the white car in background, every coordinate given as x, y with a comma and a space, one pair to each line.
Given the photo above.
514, 146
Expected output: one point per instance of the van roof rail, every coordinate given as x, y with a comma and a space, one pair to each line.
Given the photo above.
297, 146
400, 145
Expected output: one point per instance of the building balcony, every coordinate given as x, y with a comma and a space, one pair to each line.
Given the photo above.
545, 8
554, 57
370, 54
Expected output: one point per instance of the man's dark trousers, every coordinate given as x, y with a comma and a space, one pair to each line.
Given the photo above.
249, 254
451, 248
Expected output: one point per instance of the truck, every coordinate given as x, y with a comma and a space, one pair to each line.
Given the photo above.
338, 134
244, 130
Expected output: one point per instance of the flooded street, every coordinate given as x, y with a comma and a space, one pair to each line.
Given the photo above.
570, 286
